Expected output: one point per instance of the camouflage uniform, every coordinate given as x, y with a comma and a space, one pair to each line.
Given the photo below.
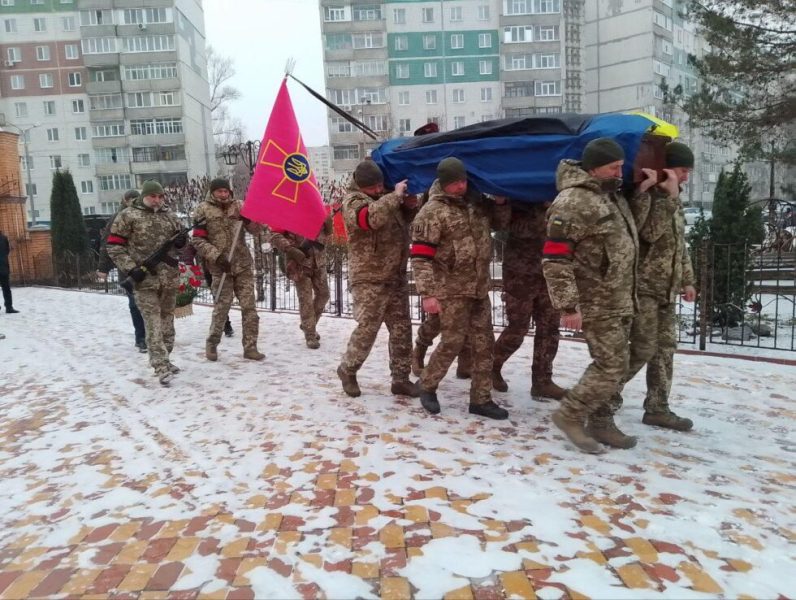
214, 239
378, 251
664, 269
525, 292
312, 285
429, 330
451, 256
590, 264
136, 233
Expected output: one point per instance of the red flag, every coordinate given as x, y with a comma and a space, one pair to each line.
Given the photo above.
283, 192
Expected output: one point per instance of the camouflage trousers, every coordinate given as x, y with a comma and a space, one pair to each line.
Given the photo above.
653, 342
312, 289
241, 285
462, 318
526, 297
607, 339
156, 301
375, 304
429, 330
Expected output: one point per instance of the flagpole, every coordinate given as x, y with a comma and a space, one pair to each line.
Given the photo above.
235, 237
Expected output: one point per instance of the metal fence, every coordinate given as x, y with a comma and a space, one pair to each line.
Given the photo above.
768, 319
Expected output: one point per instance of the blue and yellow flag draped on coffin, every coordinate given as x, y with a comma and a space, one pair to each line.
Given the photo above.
516, 158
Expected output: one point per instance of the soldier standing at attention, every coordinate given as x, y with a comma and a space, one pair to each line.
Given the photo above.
136, 233
213, 242
590, 266
377, 225
451, 254
525, 293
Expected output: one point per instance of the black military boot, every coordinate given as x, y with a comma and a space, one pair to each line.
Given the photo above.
667, 419
429, 401
228, 331
11, 310
489, 410
141, 345
349, 381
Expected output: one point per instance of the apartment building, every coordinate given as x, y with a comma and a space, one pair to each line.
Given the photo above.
320, 158
114, 90
399, 64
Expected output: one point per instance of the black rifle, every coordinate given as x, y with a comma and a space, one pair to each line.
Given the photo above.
160, 255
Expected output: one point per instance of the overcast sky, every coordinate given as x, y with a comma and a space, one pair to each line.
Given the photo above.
260, 36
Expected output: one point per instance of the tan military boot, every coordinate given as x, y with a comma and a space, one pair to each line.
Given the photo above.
669, 420
498, 383
418, 359
405, 388
576, 433
211, 351
604, 430
253, 354
312, 340
349, 381
542, 392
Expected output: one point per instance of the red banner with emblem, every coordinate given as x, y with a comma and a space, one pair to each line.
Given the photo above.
283, 192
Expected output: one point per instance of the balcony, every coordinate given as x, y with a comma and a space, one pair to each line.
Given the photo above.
103, 87
105, 114
160, 166
101, 60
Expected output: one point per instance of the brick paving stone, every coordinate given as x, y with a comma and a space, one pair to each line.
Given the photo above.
643, 549
24, 584
701, 581
246, 565
107, 553
138, 577
394, 588
517, 585
131, 553
100, 533
462, 593
52, 583
633, 576
365, 570
158, 549
124, 532
108, 579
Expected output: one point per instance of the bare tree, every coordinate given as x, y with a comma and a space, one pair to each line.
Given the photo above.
220, 69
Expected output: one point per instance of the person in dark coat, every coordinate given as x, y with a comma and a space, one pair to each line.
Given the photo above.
5, 273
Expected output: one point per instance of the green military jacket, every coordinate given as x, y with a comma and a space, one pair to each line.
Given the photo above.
313, 249
214, 238
527, 231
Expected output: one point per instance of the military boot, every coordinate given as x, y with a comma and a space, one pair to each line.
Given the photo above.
498, 383
542, 392
174, 369
164, 376
405, 388
312, 340
228, 331
576, 433
667, 419
349, 381
489, 410
604, 430
141, 345
253, 353
428, 399
211, 351
418, 359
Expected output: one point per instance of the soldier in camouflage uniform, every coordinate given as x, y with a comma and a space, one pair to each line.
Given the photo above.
377, 225
213, 242
136, 233
590, 266
664, 272
451, 254
525, 294
305, 265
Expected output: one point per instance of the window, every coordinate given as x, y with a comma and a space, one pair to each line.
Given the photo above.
154, 71
108, 208
21, 109
71, 52
404, 125
527, 7
458, 122
403, 98
483, 12
430, 69
109, 129
42, 53
547, 88
376, 122
78, 107
662, 20
335, 13
518, 89
55, 161
169, 99
547, 6
32, 190
10, 25
366, 68
87, 187
485, 67
52, 134
96, 17
14, 55
338, 69
666, 47
484, 40
547, 61
75, 80
105, 101
99, 45
139, 99
429, 42
431, 96
340, 125
17, 82
114, 182
401, 43
68, 23
110, 156
660, 68
456, 13
39, 24
83, 160
46, 80
367, 12
36, 2
458, 96
547, 33
24, 164
457, 68
149, 43
457, 41
89, 210
399, 16
428, 15
402, 71
142, 16
49, 107
346, 153
367, 40
517, 34
486, 94
81, 134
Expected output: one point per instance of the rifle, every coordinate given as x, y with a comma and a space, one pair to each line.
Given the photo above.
159, 256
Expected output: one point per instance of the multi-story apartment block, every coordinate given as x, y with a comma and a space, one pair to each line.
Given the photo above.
114, 91
399, 64
320, 158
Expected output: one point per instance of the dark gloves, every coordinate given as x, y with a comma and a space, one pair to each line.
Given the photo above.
295, 254
223, 263
181, 240
137, 274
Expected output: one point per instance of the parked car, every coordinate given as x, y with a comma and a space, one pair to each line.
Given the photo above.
692, 214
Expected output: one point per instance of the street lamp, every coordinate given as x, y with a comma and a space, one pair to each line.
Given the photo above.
246, 151
24, 134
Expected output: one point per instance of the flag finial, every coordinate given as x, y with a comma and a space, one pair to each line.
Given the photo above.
289, 66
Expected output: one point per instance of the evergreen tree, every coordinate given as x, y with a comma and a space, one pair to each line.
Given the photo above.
69, 237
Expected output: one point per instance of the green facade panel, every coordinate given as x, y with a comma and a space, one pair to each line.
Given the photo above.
413, 44
47, 6
445, 68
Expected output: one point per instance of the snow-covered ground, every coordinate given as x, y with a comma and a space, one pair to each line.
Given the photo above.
308, 492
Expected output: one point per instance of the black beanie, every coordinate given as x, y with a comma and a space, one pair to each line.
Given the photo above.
220, 184
451, 170
600, 152
367, 173
679, 155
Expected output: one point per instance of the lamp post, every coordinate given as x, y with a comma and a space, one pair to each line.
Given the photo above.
247, 151
24, 134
